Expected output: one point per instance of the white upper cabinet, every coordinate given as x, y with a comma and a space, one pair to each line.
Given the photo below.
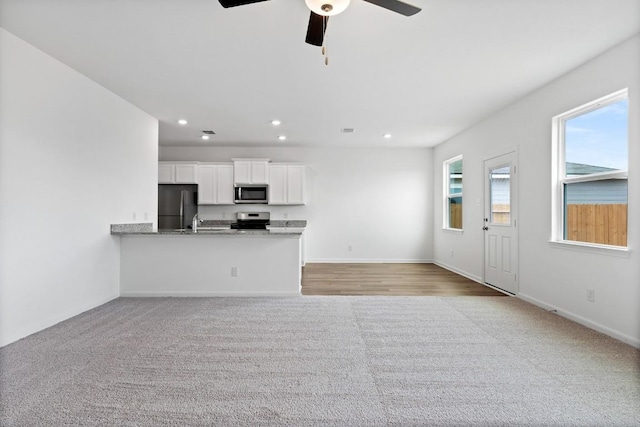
215, 184
207, 184
287, 184
177, 173
242, 172
278, 184
166, 173
186, 173
296, 184
251, 171
224, 185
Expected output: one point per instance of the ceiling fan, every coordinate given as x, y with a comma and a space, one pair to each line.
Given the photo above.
322, 9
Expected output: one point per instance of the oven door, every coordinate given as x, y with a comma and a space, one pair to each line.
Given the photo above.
251, 194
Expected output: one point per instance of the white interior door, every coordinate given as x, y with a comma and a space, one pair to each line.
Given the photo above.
500, 223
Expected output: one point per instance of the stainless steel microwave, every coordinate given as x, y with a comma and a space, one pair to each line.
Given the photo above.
257, 193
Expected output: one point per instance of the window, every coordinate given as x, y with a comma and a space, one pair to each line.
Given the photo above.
591, 172
453, 193
500, 195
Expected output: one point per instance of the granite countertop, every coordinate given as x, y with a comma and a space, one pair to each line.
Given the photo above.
288, 223
212, 228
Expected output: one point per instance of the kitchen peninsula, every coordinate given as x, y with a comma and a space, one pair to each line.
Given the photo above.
210, 262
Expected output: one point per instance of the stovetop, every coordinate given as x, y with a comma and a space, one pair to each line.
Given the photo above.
251, 221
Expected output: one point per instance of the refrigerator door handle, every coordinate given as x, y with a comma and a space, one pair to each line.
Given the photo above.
182, 209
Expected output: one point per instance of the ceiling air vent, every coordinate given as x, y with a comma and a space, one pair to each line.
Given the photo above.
208, 132
347, 130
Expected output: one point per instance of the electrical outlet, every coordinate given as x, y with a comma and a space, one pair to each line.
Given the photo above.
224, 215
350, 248
591, 295
286, 215
146, 216
234, 272
133, 215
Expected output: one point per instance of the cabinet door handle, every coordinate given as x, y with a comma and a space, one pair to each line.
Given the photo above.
485, 228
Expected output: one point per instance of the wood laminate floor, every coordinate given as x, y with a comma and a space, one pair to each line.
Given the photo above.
388, 279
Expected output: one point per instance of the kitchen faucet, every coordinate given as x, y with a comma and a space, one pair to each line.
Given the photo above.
194, 223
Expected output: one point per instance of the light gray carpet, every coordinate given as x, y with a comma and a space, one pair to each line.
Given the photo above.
306, 361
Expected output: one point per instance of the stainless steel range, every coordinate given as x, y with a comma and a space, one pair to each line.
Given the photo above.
251, 221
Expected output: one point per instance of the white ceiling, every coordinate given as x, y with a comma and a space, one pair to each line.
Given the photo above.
422, 78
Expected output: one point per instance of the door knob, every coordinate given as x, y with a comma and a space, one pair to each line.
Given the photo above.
485, 228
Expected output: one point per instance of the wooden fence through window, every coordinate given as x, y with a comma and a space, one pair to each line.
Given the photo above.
603, 224
501, 213
455, 215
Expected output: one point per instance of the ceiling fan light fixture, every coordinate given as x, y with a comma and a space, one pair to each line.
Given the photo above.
327, 7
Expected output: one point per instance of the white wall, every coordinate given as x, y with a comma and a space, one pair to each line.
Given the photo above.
74, 158
376, 200
550, 276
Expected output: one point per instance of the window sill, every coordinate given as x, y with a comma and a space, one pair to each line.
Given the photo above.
591, 248
452, 230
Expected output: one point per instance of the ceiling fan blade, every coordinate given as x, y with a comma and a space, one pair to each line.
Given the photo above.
315, 30
396, 6
234, 3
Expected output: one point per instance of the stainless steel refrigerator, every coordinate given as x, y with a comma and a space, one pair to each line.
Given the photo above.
177, 204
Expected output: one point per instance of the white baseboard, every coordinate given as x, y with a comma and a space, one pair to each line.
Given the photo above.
460, 272
581, 320
207, 294
367, 261
53, 320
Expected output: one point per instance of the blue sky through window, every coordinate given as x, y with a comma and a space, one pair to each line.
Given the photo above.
600, 137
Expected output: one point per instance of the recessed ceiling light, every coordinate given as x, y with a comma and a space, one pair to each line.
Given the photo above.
387, 135
282, 137
205, 137
276, 122
182, 122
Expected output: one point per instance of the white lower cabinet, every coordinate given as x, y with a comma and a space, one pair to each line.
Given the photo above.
287, 184
215, 184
